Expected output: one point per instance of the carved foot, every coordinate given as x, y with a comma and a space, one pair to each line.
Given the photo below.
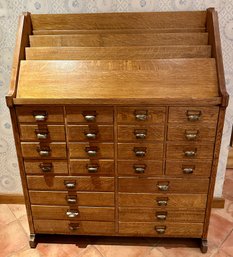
32, 241
204, 245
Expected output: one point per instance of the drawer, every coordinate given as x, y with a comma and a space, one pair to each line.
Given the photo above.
45, 167
191, 133
189, 151
188, 168
194, 115
141, 115
136, 168
149, 185
40, 114
140, 133
74, 227
73, 213
92, 132
91, 150
140, 151
164, 202
153, 215
86, 183
92, 167
34, 150
89, 114
72, 198
42, 133
169, 229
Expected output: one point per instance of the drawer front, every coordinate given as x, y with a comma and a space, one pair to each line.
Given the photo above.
159, 230
191, 133
42, 133
46, 167
141, 115
135, 168
149, 185
189, 151
140, 133
194, 115
86, 183
89, 115
74, 227
188, 168
92, 167
140, 151
153, 215
165, 202
72, 213
72, 198
94, 150
40, 114
34, 150
90, 133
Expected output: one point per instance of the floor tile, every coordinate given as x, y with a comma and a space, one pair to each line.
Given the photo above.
6, 215
18, 210
27, 253
227, 189
24, 222
227, 212
221, 253
227, 246
92, 251
154, 253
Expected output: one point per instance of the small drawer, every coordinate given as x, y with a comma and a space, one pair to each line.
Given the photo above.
194, 115
40, 114
140, 133
72, 183
42, 133
191, 133
141, 115
92, 150
188, 168
92, 167
73, 213
72, 199
92, 132
74, 227
35, 150
151, 185
189, 151
89, 115
46, 167
137, 168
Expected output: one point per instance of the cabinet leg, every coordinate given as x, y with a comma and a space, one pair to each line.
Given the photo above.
204, 245
32, 241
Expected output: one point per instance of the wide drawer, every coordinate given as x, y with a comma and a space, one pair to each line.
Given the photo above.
188, 168
73, 213
40, 114
148, 215
92, 167
90, 132
91, 150
52, 150
156, 229
42, 133
139, 133
74, 183
135, 168
45, 167
143, 151
72, 198
141, 115
193, 115
89, 114
149, 185
168, 201
74, 227
189, 151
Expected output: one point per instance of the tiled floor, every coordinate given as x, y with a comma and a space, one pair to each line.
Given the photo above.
14, 238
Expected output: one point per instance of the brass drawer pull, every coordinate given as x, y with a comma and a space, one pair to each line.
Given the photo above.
190, 153
70, 184
162, 202
161, 215
139, 169
193, 115
91, 151
191, 135
72, 213
92, 168
40, 115
188, 170
91, 135
140, 134
44, 151
141, 115
89, 116
42, 135
163, 186
160, 229
140, 151
71, 199
74, 226
46, 167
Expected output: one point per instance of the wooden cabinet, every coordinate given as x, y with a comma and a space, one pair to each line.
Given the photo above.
117, 121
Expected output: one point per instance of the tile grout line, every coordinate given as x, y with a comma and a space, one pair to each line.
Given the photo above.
98, 250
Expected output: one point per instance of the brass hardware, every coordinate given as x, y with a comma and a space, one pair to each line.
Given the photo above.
139, 168
44, 151
163, 186
140, 133
70, 184
41, 134
46, 167
140, 151
188, 169
91, 151
72, 213
74, 226
162, 201
190, 153
92, 168
141, 115
161, 215
89, 116
191, 135
90, 135
40, 115
160, 229
71, 199
193, 115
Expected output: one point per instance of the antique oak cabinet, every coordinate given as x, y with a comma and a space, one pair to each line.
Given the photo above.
118, 120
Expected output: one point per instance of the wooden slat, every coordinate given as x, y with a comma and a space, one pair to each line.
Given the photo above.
92, 21
117, 53
94, 40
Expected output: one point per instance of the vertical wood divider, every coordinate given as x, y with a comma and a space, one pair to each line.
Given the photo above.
165, 139
67, 140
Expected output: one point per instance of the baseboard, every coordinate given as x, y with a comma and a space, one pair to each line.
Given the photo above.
218, 202
230, 159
